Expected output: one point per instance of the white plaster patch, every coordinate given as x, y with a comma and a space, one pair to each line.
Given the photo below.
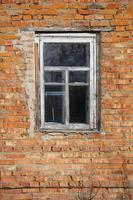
27, 74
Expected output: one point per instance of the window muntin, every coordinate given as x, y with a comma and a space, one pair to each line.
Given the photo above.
68, 81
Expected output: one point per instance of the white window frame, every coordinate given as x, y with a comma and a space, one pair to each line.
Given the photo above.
70, 38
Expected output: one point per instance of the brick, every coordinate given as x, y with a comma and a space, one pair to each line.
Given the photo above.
20, 6
108, 11
58, 6
85, 11
119, 22
7, 1
31, 190
7, 162
128, 16
120, 28
23, 196
78, 17
113, 5
5, 24
27, 17
6, 54
35, 1
16, 17
15, 156
129, 28
5, 43
100, 23
108, 16
99, 17
8, 29
4, 18
77, 6
40, 23
14, 191
9, 37
20, 23
38, 17
42, 11
118, 16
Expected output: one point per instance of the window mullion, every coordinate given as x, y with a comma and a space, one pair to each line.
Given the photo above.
66, 98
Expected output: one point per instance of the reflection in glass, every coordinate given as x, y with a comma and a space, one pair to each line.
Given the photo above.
54, 99
78, 96
66, 54
78, 76
52, 76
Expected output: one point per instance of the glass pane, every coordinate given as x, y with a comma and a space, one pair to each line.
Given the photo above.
54, 100
53, 77
78, 97
66, 54
78, 76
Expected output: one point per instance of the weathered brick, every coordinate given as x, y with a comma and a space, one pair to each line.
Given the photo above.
5, 24
120, 22
120, 28
7, 162
129, 28
27, 17
39, 23
16, 17
85, 11
108, 11
21, 23
100, 23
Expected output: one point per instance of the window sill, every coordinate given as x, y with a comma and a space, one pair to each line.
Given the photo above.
70, 126
68, 131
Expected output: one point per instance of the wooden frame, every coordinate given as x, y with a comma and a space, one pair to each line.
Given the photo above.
69, 38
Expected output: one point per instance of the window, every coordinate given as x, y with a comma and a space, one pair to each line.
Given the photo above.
68, 81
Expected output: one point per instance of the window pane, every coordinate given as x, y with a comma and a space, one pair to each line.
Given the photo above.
54, 100
78, 76
54, 77
66, 54
78, 100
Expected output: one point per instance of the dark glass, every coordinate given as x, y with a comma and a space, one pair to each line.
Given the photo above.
78, 100
51, 76
66, 54
54, 99
78, 76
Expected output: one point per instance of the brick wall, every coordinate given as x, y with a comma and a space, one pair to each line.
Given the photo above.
43, 166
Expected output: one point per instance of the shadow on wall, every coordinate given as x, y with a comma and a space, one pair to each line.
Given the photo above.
99, 193
94, 190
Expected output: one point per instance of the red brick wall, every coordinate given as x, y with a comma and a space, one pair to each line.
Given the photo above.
41, 166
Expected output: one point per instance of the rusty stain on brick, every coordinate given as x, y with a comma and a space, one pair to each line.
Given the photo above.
97, 5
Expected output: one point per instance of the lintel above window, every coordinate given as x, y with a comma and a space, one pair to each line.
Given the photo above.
68, 81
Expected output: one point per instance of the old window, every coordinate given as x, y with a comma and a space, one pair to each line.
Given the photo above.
67, 81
